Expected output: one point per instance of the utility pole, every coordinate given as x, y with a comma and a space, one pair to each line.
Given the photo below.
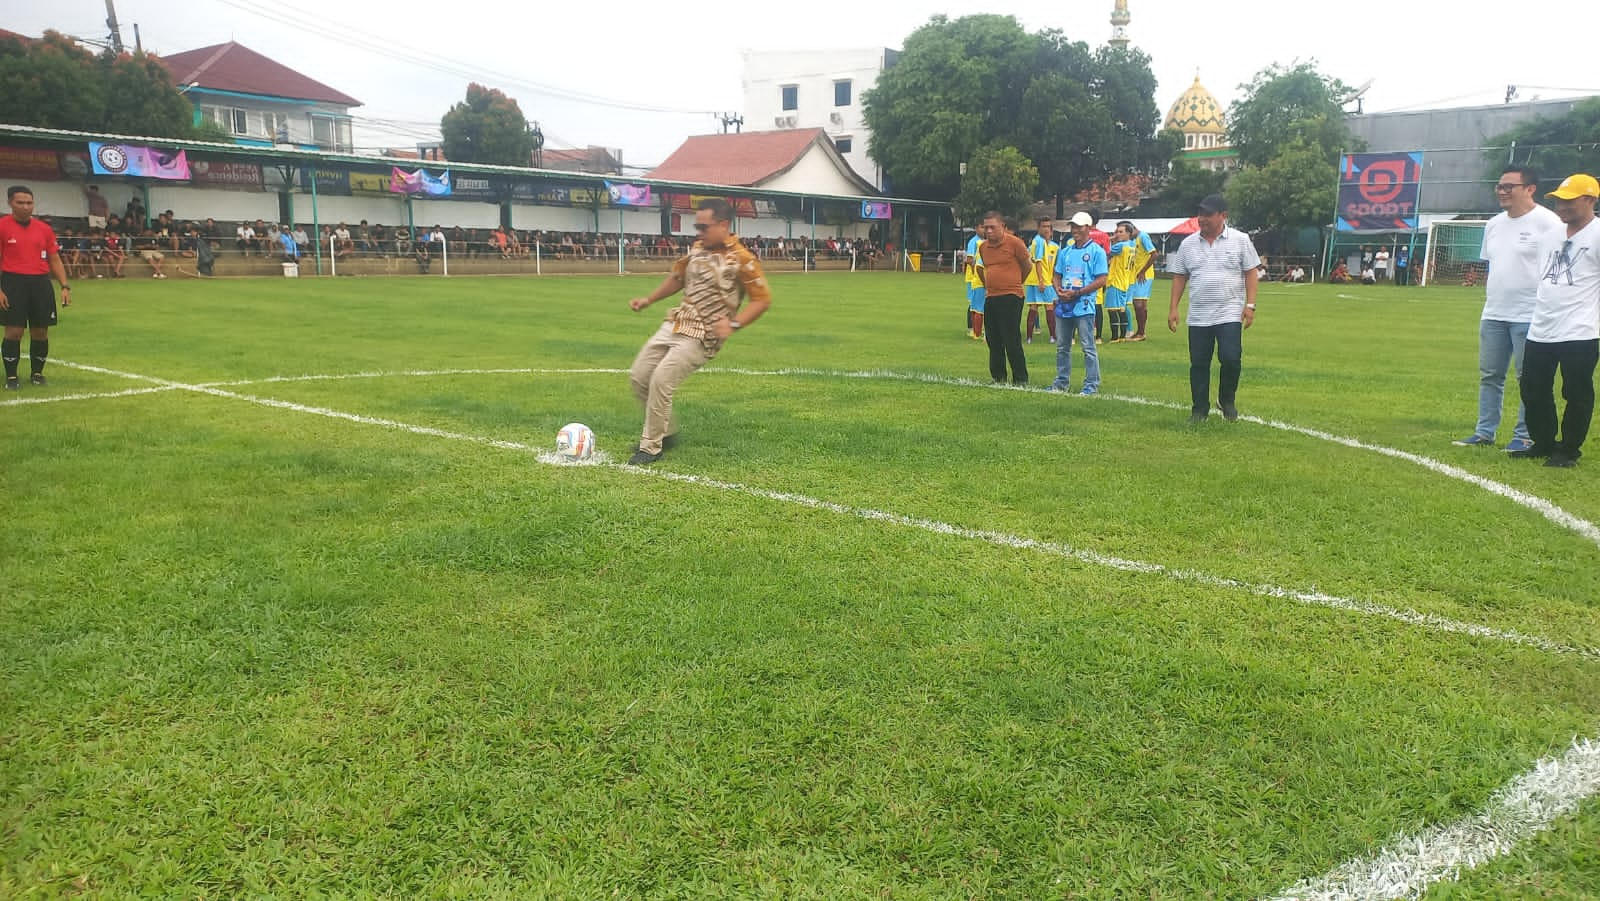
111, 23
1511, 92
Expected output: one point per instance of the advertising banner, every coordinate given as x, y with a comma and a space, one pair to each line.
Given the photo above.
1378, 191
743, 207
146, 162
629, 195
879, 209
329, 181
474, 187
26, 163
420, 182
232, 176
369, 182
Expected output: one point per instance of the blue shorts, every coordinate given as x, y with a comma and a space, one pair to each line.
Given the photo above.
1116, 299
1038, 294
975, 299
1141, 290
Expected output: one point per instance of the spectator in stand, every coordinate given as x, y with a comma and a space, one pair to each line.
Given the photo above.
1297, 274
287, 247
210, 232
1340, 274
269, 240
116, 252
99, 207
1369, 276
1402, 267
502, 243
343, 244
379, 235
364, 241
133, 215
189, 241
114, 224
245, 239
302, 241
149, 247
458, 241
97, 250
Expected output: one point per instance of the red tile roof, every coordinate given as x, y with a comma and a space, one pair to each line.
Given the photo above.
235, 67
746, 159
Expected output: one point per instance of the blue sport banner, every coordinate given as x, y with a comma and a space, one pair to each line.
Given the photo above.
1379, 191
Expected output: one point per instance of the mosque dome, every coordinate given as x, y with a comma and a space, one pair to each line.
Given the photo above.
1197, 112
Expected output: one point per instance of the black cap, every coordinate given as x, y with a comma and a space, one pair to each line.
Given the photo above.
1214, 203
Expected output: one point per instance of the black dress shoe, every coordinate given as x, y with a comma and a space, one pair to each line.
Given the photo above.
643, 458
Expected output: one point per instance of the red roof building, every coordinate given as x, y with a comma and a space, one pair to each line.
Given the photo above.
802, 160
261, 101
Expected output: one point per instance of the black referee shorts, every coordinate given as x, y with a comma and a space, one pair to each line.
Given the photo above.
32, 300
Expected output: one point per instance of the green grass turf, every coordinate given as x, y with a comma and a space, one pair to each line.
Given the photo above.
258, 652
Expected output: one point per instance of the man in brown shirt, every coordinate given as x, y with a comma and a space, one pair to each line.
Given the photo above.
1006, 262
716, 275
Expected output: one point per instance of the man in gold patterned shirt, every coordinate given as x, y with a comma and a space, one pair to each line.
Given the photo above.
716, 275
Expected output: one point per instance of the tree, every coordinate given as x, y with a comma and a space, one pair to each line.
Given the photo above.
1296, 189
1555, 146
54, 83
1185, 185
982, 80
488, 127
1287, 104
998, 178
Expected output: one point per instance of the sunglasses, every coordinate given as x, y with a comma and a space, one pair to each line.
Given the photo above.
701, 226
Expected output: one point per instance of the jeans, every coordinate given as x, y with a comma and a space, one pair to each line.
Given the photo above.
1003, 321
1084, 327
1499, 347
1576, 360
1228, 340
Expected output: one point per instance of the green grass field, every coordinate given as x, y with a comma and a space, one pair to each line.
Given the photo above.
875, 629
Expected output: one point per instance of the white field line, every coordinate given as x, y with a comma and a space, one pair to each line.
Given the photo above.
57, 398
1537, 504
1425, 621
1529, 804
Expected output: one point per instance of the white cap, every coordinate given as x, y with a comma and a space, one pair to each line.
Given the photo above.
1081, 218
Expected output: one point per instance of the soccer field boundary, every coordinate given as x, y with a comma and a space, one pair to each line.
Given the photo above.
1544, 508
1529, 804
1426, 621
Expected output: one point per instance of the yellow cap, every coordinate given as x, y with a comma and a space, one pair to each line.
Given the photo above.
1576, 186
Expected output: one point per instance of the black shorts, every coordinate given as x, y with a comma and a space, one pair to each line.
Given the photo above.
32, 300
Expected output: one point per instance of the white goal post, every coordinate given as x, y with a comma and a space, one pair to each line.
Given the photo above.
1454, 249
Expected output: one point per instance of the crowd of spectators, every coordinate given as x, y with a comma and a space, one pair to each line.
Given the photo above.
99, 252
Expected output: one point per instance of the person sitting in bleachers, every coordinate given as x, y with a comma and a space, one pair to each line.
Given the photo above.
1340, 274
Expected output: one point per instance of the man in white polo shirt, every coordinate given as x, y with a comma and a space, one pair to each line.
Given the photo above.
1511, 248
1565, 332
1218, 266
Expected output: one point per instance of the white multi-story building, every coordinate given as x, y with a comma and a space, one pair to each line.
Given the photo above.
817, 89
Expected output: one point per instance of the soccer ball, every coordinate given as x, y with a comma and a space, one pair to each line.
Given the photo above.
575, 441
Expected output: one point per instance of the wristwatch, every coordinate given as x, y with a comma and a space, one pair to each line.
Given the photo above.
1249, 306
735, 324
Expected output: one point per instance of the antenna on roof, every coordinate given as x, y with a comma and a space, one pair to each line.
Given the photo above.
728, 119
1355, 94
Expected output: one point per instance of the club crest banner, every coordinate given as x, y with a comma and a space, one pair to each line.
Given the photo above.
1379, 191
145, 162
877, 209
629, 195
420, 182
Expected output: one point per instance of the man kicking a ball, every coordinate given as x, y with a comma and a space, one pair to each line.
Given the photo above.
716, 275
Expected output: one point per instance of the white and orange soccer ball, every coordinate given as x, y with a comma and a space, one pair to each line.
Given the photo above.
575, 441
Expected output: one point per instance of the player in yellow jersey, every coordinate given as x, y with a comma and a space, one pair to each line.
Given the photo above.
1144, 261
1041, 294
975, 292
1119, 280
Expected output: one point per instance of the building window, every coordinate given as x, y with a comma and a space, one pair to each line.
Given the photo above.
330, 133
842, 144
841, 93
238, 121
276, 126
791, 97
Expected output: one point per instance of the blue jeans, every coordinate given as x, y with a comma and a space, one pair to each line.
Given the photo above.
1084, 326
1500, 347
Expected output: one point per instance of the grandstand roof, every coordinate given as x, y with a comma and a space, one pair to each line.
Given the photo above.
751, 158
235, 67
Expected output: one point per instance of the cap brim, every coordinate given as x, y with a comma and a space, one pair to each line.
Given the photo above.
1569, 195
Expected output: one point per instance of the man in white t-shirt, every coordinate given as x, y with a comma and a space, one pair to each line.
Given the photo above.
1511, 248
1565, 332
1380, 264
1218, 266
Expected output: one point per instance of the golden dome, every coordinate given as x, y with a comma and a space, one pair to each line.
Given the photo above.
1197, 112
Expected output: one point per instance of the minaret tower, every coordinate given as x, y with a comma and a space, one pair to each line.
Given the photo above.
1119, 24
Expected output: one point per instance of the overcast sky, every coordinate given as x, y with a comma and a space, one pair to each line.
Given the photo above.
408, 62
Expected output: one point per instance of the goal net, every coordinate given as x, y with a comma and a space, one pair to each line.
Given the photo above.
1453, 256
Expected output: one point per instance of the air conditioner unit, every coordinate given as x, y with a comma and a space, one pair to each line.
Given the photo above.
836, 118
779, 120
791, 121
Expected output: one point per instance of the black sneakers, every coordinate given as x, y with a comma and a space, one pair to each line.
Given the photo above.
1197, 417
12, 384
1229, 412
38, 379
1561, 460
643, 458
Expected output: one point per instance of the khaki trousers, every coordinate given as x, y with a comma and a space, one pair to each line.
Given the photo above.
661, 366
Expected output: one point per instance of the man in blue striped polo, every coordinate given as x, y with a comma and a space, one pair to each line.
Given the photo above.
1218, 266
